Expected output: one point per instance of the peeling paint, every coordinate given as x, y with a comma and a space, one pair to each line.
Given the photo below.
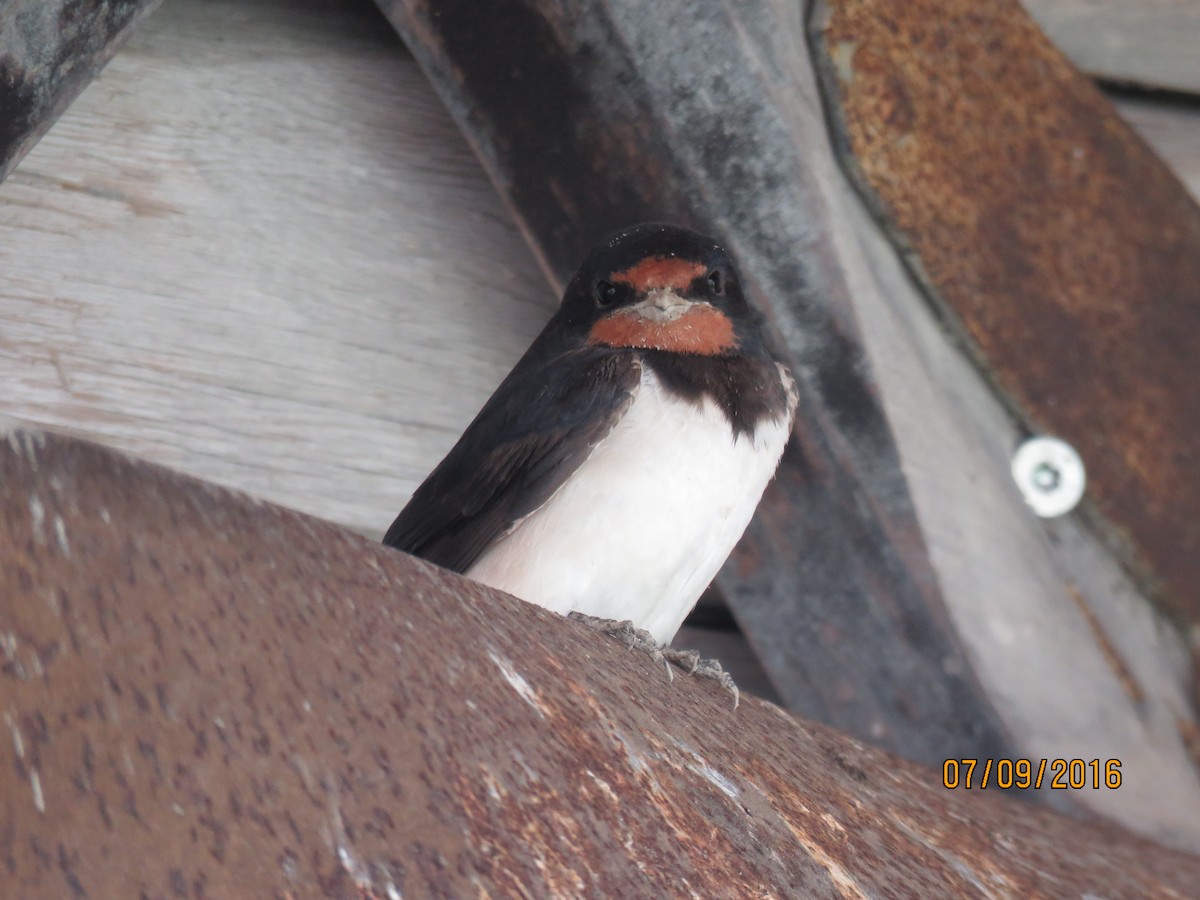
518, 682
37, 512
18, 743
35, 782
60, 533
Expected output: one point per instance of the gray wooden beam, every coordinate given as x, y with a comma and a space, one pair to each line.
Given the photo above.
1152, 43
50, 50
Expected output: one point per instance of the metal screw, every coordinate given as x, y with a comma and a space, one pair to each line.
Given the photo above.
1050, 475
1046, 477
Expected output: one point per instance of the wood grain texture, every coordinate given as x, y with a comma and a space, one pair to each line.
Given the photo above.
1150, 42
257, 249
1171, 129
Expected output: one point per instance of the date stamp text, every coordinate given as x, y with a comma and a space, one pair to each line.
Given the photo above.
1059, 774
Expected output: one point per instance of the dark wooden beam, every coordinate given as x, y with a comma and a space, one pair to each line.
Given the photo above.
49, 52
590, 116
205, 695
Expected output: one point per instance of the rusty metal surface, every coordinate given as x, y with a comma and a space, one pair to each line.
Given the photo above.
49, 52
1058, 246
206, 696
592, 115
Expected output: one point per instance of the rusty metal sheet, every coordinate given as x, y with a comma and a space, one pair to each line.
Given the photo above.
49, 52
1061, 250
592, 115
202, 695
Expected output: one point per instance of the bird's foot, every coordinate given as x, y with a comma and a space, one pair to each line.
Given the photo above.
689, 661
692, 663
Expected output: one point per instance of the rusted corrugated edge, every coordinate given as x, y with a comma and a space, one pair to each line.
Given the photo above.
49, 52
203, 695
1057, 246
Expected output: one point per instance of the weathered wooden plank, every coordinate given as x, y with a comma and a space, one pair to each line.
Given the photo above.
257, 249
1152, 42
209, 696
650, 117
1171, 129
49, 51
1071, 266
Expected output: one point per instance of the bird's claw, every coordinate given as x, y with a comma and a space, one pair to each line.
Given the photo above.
639, 639
688, 660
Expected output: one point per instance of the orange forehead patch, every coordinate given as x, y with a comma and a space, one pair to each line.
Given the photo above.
701, 330
660, 272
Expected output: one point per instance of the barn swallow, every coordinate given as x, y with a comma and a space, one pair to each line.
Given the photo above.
616, 466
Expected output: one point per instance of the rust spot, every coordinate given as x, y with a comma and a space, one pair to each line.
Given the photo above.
1189, 733
660, 272
701, 330
1115, 662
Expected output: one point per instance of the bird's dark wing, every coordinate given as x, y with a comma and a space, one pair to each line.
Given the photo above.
535, 431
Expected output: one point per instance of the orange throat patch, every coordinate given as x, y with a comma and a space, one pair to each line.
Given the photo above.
701, 330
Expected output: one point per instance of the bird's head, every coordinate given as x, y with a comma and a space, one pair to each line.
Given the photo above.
659, 287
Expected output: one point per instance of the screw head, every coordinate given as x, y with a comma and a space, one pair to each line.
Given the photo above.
1050, 475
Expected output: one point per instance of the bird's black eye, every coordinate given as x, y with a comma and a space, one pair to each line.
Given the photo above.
606, 293
716, 281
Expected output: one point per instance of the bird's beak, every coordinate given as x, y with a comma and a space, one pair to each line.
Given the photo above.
662, 305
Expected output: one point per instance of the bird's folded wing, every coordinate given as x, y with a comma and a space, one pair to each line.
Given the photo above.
532, 434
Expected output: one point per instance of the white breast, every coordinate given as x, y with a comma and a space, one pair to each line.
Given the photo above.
641, 528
